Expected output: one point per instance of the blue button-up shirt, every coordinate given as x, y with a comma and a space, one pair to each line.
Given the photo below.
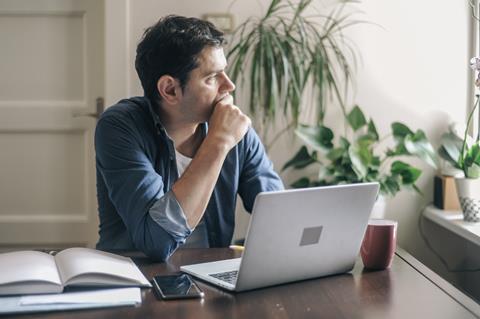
136, 169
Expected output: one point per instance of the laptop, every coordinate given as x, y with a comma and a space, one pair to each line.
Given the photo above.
295, 235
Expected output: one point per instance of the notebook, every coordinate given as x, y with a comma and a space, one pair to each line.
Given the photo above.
295, 235
34, 272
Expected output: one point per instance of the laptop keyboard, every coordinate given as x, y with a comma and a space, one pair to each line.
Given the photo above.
227, 276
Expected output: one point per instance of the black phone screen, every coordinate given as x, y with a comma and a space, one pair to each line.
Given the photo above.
176, 286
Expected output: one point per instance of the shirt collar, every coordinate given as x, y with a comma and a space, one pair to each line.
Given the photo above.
156, 119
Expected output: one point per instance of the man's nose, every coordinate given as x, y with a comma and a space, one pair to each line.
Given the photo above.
228, 85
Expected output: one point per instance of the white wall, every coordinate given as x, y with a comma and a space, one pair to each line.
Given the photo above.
415, 70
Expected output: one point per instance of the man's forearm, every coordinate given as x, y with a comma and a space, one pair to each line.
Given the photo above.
194, 188
227, 126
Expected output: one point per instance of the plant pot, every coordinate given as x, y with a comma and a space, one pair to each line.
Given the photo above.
445, 193
468, 190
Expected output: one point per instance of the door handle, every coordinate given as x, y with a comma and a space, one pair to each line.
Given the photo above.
100, 107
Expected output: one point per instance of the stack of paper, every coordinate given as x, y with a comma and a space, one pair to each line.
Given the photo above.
71, 300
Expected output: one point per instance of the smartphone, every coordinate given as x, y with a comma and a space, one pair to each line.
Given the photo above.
176, 287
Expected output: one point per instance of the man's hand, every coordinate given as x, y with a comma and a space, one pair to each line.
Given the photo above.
228, 124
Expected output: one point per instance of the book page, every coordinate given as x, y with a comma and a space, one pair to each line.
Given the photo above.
89, 267
27, 271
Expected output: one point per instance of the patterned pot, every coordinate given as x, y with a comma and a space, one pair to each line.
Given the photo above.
468, 190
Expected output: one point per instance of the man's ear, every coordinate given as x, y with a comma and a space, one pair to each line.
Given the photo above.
169, 89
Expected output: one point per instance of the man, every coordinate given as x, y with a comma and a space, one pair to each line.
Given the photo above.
170, 164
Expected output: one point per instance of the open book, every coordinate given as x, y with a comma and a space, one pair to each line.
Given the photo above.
33, 272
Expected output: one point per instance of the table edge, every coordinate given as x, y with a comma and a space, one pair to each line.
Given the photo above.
464, 300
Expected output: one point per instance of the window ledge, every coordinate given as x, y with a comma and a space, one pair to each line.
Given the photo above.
453, 221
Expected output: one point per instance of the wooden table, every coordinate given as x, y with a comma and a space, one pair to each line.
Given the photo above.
407, 290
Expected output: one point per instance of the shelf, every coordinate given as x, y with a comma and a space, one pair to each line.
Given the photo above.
453, 221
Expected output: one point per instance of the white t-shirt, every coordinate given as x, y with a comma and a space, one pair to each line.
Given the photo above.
182, 162
198, 238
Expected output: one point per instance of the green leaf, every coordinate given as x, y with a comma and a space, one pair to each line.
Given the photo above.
323, 173
318, 183
417, 189
471, 163
446, 156
390, 153
319, 137
301, 159
301, 183
375, 163
356, 119
472, 155
408, 173
400, 130
360, 157
344, 143
335, 154
477, 157
452, 147
366, 140
372, 130
419, 146
473, 171
399, 150
390, 185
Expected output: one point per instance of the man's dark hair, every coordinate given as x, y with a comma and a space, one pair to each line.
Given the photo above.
172, 46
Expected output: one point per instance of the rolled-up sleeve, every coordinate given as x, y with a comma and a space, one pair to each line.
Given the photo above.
257, 174
154, 219
168, 213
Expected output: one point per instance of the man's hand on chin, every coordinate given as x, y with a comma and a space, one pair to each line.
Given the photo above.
228, 124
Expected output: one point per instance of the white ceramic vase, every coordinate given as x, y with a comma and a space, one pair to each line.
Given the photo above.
378, 210
468, 190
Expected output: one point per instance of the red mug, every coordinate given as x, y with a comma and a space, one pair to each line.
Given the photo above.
379, 243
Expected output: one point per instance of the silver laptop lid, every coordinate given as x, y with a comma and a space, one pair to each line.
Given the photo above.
305, 233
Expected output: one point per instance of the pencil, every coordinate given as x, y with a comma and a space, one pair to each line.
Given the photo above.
236, 247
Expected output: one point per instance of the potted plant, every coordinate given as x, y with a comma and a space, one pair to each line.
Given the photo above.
289, 50
464, 154
356, 158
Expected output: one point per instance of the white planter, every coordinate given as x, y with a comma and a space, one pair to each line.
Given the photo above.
378, 210
468, 190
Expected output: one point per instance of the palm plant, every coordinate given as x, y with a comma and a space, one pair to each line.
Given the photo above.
289, 50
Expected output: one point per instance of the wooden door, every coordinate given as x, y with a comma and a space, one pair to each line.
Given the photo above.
51, 69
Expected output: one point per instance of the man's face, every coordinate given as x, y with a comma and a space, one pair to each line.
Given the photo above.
206, 85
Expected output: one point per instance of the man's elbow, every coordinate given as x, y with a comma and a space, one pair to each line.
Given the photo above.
159, 255
157, 247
